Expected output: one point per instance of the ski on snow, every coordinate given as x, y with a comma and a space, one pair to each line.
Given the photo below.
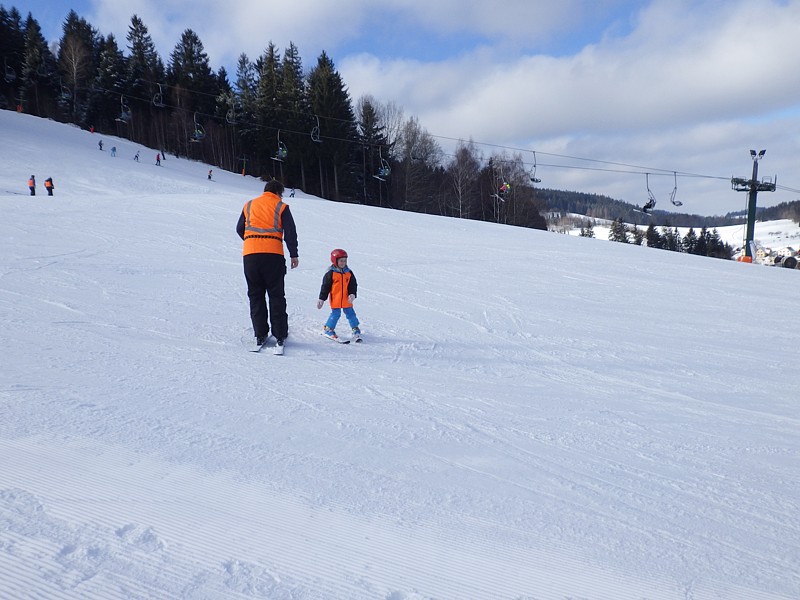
277, 350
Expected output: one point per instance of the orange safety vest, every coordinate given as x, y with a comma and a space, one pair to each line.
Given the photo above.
339, 283
263, 227
48, 184
31, 183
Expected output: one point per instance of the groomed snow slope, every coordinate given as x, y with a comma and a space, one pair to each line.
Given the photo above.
532, 416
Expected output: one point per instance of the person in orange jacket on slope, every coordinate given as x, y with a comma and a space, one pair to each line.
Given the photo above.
339, 285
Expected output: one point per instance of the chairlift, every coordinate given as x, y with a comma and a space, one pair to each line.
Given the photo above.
282, 151
315, 132
124, 111
199, 133
675, 191
651, 202
9, 73
384, 170
533, 177
230, 115
503, 186
158, 98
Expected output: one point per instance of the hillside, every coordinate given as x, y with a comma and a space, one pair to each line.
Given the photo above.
531, 415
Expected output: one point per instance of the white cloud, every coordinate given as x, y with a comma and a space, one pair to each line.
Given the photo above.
655, 78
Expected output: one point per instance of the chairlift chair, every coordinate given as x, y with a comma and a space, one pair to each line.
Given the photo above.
533, 177
158, 98
9, 73
384, 170
199, 133
124, 112
651, 202
675, 191
282, 152
315, 132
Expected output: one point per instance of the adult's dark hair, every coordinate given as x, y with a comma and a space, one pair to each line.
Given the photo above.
274, 186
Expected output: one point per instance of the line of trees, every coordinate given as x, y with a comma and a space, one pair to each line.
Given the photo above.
272, 119
705, 243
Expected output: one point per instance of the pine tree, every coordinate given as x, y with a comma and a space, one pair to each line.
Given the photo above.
619, 232
144, 70
330, 101
690, 241
244, 110
372, 136
297, 118
653, 237
77, 57
107, 87
637, 234
701, 247
38, 72
269, 113
12, 49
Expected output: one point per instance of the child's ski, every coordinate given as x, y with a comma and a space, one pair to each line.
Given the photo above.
336, 339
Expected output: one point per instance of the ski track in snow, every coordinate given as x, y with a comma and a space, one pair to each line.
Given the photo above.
530, 416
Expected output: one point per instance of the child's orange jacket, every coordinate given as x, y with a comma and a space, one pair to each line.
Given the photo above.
338, 284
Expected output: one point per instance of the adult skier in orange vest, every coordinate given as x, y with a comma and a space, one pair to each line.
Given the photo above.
266, 223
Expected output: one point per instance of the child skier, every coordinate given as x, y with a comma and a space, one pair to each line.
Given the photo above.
340, 287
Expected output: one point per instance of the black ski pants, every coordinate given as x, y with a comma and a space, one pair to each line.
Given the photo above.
265, 275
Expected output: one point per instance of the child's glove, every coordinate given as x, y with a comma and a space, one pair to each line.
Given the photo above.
351, 297
320, 303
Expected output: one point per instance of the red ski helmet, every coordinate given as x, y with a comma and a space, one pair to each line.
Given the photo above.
337, 254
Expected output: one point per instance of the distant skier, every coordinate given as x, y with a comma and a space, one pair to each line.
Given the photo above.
113, 150
48, 184
209, 174
100, 144
158, 160
136, 156
32, 185
339, 285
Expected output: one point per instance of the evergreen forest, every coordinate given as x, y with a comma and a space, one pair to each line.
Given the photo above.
272, 118
276, 118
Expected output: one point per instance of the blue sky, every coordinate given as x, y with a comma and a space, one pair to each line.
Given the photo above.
664, 85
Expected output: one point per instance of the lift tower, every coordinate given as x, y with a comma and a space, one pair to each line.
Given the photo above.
753, 186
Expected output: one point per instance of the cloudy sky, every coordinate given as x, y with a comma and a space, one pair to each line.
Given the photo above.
603, 91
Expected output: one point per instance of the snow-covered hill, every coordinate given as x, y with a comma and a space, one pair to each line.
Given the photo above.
531, 416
